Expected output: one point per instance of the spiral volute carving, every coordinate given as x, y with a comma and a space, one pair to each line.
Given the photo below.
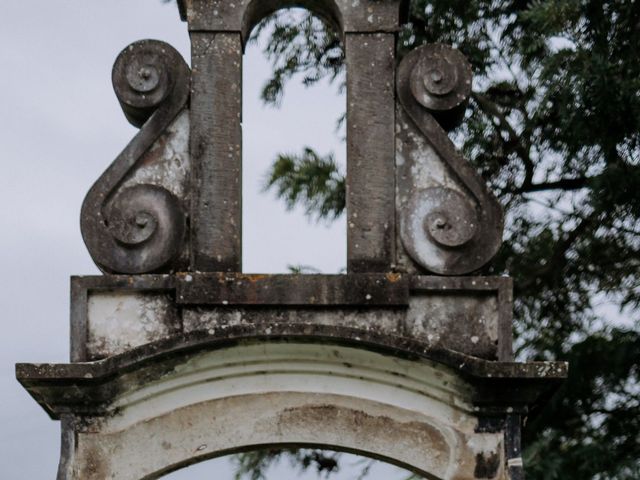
149, 220
449, 219
441, 82
142, 79
455, 226
139, 228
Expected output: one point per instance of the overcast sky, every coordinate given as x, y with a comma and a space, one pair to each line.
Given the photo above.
60, 127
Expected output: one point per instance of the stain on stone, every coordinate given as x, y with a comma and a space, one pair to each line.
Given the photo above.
94, 467
393, 277
410, 433
487, 465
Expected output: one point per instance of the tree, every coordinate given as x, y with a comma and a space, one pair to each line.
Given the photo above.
553, 126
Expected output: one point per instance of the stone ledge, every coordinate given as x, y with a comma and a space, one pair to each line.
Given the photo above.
114, 314
500, 387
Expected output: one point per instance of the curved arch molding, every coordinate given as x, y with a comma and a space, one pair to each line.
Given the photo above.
343, 15
142, 417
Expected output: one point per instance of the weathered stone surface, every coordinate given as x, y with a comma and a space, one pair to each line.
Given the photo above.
449, 221
370, 60
343, 15
216, 151
233, 289
292, 393
167, 163
138, 226
466, 314
463, 322
119, 322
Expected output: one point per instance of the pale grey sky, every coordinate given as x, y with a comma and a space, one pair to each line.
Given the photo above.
60, 127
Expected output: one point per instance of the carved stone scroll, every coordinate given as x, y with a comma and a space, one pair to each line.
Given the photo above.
450, 223
132, 227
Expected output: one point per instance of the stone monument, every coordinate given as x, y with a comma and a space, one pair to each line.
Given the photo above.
177, 356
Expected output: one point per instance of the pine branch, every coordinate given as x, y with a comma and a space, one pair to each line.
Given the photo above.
562, 184
557, 260
310, 180
492, 110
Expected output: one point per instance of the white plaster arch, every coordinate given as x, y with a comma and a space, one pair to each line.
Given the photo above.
413, 413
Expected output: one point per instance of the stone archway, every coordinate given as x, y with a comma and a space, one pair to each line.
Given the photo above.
147, 420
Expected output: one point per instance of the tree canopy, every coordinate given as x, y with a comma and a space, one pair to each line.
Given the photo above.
554, 128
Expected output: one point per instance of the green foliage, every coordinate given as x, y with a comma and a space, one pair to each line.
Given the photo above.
253, 465
302, 269
310, 180
592, 435
299, 44
554, 128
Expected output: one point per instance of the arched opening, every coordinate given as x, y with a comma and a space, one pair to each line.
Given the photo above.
294, 154
258, 10
293, 464
207, 404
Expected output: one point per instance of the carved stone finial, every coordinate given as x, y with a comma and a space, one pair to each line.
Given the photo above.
450, 223
139, 228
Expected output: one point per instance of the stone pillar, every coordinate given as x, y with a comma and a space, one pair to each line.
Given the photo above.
370, 59
216, 151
